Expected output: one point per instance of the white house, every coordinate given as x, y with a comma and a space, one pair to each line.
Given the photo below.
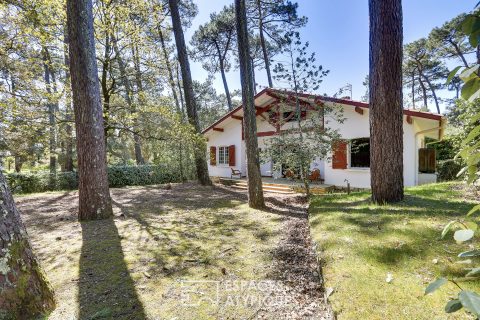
226, 146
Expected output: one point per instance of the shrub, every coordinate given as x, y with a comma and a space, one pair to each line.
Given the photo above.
118, 176
448, 169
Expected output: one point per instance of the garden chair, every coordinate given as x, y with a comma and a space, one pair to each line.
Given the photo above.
235, 173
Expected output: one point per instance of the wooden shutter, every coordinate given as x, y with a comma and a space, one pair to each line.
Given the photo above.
303, 114
213, 156
339, 158
231, 155
427, 160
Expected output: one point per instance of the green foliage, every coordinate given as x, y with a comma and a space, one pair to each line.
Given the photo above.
447, 170
118, 176
435, 285
121, 176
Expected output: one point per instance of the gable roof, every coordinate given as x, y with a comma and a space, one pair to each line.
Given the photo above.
320, 98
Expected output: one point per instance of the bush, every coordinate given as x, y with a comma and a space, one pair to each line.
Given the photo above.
448, 169
118, 176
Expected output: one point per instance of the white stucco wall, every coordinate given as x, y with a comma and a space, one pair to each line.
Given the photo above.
232, 135
355, 126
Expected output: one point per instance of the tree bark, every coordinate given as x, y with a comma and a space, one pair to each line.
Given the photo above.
255, 189
179, 85
52, 144
386, 112
424, 93
171, 81
264, 45
225, 84
432, 89
68, 108
138, 78
200, 148
18, 163
24, 291
94, 195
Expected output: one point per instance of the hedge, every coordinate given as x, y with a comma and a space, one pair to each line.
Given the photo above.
447, 170
118, 176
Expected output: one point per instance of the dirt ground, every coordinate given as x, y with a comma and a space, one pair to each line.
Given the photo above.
185, 252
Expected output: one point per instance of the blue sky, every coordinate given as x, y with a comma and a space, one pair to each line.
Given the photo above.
338, 32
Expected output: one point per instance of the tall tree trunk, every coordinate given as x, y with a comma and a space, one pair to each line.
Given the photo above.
24, 290
225, 84
253, 76
169, 68
105, 89
174, 93
200, 148
18, 163
432, 89
255, 189
138, 78
52, 144
94, 195
386, 112
424, 93
413, 90
179, 85
264, 44
68, 108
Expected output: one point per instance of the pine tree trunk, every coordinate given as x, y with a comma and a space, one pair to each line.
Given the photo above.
52, 144
386, 111
94, 195
264, 45
432, 89
179, 85
200, 148
24, 290
68, 108
169, 68
424, 93
136, 138
255, 189
18, 163
225, 85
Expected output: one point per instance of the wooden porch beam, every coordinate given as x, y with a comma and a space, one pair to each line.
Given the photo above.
409, 120
218, 129
237, 117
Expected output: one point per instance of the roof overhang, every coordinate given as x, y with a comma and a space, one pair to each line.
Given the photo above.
265, 98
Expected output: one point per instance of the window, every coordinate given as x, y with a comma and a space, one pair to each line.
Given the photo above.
223, 155
360, 153
290, 114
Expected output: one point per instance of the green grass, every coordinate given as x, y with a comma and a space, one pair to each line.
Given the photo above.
360, 243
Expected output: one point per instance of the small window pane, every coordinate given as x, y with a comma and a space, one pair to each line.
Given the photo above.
360, 153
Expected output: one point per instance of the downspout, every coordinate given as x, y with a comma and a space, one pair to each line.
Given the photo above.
440, 135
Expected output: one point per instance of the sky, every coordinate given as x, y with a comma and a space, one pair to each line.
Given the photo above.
337, 31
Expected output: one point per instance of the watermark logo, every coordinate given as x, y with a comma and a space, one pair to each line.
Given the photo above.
234, 293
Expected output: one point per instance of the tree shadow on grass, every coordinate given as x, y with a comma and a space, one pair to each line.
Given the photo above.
105, 290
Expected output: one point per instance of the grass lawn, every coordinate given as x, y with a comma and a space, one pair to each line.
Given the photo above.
166, 254
360, 243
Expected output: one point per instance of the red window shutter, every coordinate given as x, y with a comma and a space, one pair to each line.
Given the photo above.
339, 159
303, 114
231, 155
213, 156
